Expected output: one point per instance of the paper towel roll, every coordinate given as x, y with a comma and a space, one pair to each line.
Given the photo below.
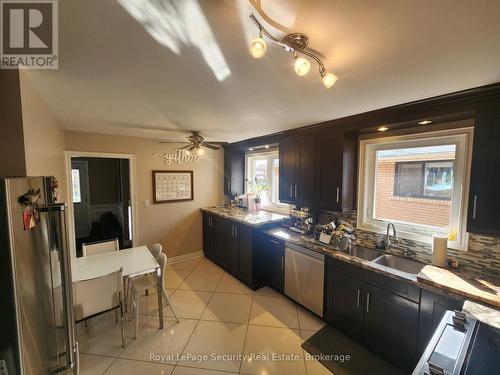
439, 250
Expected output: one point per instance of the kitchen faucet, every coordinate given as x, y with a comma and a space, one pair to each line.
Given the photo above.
392, 242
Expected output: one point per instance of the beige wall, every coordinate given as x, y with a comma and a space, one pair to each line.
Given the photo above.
177, 226
43, 137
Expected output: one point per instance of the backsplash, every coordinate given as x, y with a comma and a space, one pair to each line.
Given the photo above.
483, 255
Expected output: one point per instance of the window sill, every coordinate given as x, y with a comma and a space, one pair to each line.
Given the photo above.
421, 237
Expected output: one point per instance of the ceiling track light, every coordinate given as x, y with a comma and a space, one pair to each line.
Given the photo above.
296, 44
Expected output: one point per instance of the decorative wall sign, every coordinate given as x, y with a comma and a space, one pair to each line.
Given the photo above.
178, 157
172, 186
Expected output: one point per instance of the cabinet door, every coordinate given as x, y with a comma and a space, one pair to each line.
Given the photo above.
484, 200
208, 235
391, 327
234, 172
232, 248
220, 241
245, 234
306, 167
344, 303
288, 156
432, 309
329, 171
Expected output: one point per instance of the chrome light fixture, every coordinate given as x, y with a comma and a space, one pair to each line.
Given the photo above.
295, 43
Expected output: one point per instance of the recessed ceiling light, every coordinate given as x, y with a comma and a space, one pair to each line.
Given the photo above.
250, 149
425, 122
383, 129
266, 146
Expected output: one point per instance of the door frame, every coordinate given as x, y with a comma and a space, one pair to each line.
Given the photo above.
69, 196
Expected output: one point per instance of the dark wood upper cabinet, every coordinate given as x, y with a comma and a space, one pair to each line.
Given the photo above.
336, 157
297, 170
234, 171
484, 200
288, 169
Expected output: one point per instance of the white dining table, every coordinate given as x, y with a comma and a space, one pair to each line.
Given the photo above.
135, 261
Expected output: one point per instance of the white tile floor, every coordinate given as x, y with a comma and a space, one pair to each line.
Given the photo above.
219, 316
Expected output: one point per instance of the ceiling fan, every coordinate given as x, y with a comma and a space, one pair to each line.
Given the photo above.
196, 143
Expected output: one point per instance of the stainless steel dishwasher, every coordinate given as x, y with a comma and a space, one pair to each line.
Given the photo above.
304, 276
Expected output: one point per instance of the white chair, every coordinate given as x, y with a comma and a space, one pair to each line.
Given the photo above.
93, 297
100, 247
156, 249
140, 284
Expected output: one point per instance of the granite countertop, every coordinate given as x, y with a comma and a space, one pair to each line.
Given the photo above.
473, 287
253, 219
482, 313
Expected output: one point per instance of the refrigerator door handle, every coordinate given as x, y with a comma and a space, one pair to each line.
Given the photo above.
67, 288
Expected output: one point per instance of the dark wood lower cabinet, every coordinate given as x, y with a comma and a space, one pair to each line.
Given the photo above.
391, 327
391, 318
231, 245
273, 252
219, 241
344, 308
432, 309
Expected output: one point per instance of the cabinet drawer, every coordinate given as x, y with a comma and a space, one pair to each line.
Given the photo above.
401, 288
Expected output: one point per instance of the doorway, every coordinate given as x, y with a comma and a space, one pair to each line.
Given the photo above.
101, 199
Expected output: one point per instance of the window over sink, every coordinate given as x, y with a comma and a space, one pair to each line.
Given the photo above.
264, 166
419, 182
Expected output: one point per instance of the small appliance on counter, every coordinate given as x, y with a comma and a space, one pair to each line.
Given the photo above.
302, 220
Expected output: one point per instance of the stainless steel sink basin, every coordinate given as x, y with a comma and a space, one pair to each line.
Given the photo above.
400, 264
362, 252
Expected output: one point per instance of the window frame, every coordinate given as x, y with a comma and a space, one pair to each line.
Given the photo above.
422, 195
367, 170
276, 207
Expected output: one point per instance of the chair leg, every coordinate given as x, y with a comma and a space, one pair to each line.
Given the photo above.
121, 324
136, 314
167, 300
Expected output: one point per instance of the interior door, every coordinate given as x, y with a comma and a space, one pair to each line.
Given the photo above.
81, 197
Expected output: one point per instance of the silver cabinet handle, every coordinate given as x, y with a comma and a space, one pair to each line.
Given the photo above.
282, 262
291, 191
295, 191
338, 194
236, 232
474, 207
275, 242
358, 300
367, 302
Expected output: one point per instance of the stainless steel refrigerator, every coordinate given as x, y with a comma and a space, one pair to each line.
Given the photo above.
36, 326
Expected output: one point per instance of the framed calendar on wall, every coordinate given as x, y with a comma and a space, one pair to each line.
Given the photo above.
172, 186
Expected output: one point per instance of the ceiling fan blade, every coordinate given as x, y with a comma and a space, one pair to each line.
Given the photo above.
170, 142
185, 147
210, 146
217, 143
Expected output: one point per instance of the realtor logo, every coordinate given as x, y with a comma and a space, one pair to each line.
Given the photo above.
29, 34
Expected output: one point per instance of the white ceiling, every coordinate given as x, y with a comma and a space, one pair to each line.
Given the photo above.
115, 77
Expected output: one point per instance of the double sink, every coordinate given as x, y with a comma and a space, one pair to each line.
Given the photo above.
391, 261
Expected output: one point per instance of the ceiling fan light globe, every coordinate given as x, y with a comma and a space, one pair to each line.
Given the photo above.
200, 151
301, 66
329, 79
258, 47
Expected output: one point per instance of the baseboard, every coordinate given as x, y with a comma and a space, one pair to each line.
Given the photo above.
185, 257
